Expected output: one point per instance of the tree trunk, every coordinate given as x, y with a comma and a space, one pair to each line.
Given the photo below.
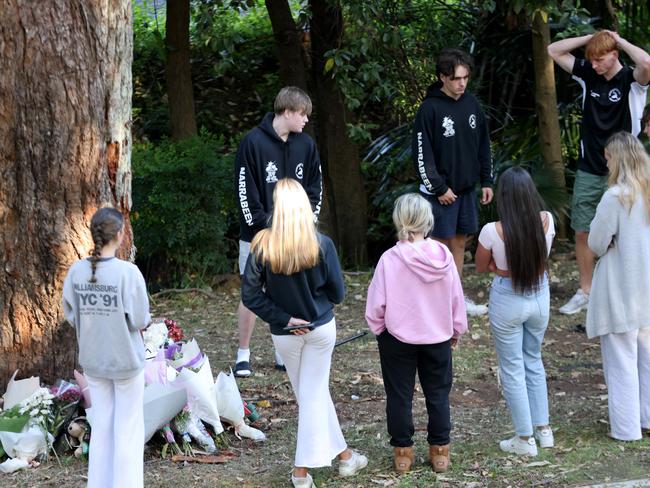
178, 71
340, 156
546, 101
65, 149
288, 44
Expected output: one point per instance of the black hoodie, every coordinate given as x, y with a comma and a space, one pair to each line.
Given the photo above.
309, 294
451, 143
262, 159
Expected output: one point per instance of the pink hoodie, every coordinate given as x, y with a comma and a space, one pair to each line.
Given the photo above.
416, 294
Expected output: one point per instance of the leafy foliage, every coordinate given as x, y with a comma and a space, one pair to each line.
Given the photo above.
183, 209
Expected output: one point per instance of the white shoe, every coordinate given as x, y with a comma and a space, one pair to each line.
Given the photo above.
306, 482
473, 309
578, 302
517, 445
544, 437
350, 467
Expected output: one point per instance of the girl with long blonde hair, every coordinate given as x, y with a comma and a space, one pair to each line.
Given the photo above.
618, 309
292, 281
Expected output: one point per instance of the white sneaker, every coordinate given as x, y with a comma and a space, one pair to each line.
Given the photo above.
473, 309
578, 302
350, 467
544, 437
306, 482
517, 445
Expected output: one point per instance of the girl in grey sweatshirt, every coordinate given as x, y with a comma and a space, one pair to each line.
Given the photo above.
105, 300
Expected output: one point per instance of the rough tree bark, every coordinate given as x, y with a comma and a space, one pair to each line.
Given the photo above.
178, 71
340, 156
65, 148
288, 44
546, 102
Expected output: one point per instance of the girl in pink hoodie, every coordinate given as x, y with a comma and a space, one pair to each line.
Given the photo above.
416, 308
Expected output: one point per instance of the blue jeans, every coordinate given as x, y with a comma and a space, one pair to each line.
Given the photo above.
518, 322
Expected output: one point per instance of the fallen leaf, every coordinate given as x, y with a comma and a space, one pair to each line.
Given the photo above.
538, 464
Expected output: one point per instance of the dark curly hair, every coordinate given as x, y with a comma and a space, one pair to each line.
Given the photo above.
449, 58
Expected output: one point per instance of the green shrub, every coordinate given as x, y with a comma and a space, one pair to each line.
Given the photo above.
184, 216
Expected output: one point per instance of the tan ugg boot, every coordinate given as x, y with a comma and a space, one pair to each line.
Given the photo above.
439, 457
403, 459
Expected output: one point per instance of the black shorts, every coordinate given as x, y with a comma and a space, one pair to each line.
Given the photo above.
459, 218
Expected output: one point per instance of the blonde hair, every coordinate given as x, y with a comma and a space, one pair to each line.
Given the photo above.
412, 215
290, 245
600, 44
629, 167
293, 99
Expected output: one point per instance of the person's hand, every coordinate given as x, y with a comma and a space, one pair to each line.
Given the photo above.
297, 321
448, 198
486, 195
616, 37
454, 343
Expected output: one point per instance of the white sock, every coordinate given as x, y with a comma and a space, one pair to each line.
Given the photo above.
278, 359
243, 355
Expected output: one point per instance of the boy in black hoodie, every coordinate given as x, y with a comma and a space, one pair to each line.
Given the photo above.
451, 151
275, 149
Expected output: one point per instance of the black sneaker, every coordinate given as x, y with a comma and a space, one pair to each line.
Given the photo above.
280, 367
242, 369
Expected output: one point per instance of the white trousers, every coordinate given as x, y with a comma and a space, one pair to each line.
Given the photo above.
626, 364
308, 358
115, 457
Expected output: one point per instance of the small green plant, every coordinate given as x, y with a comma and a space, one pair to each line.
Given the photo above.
183, 209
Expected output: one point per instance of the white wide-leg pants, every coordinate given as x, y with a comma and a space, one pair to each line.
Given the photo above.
115, 457
626, 364
308, 358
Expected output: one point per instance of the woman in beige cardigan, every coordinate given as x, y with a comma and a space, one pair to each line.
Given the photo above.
620, 294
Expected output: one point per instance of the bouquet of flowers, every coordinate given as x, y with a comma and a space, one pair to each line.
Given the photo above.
65, 399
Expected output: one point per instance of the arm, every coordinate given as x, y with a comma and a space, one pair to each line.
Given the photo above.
68, 300
483, 259
639, 57
604, 227
459, 313
376, 301
560, 51
335, 286
313, 182
254, 298
248, 195
136, 302
422, 150
485, 161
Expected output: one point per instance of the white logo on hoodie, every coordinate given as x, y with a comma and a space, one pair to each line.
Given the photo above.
271, 169
448, 125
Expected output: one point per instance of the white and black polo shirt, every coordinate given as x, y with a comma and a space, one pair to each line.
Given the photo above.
608, 106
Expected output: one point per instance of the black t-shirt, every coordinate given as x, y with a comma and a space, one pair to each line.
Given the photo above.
608, 106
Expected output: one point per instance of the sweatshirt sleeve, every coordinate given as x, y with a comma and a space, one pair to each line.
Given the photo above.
254, 298
251, 209
376, 301
334, 285
604, 226
136, 301
459, 313
422, 150
485, 153
68, 300
313, 183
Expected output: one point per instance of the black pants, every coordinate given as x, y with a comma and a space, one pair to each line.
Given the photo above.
399, 362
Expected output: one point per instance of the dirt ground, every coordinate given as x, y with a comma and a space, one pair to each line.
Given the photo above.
577, 393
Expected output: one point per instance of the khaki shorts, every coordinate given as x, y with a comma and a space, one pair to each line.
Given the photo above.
588, 189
